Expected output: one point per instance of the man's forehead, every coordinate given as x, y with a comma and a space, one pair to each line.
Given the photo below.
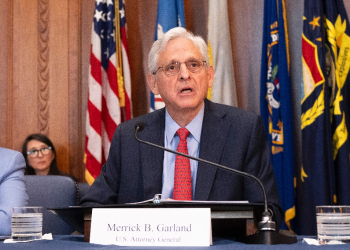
179, 49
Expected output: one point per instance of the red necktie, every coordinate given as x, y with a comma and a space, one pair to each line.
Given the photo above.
182, 178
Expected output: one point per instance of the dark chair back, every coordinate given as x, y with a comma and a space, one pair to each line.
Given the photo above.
52, 191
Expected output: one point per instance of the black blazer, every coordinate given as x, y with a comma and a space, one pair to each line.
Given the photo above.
230, 137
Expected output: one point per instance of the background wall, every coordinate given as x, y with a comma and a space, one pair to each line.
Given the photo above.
45, 49
40, 76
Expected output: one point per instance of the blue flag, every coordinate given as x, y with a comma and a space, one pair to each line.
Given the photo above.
323, 178
337, 69
276, 103
170, 14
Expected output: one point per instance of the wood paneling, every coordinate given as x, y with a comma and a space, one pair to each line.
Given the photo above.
25, 71
42, 83
59, 84
5, 70
75, 135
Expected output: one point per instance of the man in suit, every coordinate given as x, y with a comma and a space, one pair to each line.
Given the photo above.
13, 192
180, 72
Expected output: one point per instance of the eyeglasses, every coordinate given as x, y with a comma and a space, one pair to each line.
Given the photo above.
35, 153
173, 68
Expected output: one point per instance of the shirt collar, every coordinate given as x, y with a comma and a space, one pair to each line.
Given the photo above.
195, 126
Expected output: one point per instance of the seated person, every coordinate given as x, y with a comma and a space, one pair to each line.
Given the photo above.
13, 191
180, 72
40, 156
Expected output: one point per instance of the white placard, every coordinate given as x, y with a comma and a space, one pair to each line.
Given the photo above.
151, 226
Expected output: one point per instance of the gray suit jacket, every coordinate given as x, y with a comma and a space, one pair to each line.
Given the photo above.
230, 137
13, 191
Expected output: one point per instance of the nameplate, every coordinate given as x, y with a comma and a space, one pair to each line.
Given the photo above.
151, 226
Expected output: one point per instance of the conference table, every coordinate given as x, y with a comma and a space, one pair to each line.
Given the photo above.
76, 242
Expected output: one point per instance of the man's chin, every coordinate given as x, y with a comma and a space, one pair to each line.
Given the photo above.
189, 106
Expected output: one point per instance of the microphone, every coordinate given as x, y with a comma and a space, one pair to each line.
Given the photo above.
266, 224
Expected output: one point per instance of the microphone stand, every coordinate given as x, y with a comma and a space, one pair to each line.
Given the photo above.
266, 233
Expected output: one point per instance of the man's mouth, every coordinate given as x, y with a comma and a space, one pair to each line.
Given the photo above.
186, 91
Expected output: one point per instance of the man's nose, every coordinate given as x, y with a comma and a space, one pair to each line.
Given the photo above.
184, 71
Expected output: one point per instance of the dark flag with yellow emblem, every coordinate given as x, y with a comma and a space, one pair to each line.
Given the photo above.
323, 178
276, 104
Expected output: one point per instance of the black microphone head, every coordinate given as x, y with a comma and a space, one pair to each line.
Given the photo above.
139, 126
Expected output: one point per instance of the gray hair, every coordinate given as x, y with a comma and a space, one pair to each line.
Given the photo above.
178, 32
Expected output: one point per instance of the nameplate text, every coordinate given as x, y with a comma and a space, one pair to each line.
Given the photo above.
151, 226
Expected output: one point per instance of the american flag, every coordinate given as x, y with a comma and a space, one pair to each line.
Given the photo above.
109, 84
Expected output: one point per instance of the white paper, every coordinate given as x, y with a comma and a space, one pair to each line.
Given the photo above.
311, 241
151, 226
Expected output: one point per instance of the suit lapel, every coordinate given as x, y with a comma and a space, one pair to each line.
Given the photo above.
151, 157
213, 137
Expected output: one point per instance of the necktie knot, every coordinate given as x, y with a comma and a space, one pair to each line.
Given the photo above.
183, 133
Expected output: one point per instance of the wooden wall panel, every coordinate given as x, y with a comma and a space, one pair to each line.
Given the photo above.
87, 14
42, 77
75, 153
25, 67
43, 71
5, 74
59, 82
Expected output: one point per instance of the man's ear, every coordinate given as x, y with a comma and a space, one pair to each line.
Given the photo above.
210, 74
152, 83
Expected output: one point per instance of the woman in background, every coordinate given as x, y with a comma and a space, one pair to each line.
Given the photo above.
40, 156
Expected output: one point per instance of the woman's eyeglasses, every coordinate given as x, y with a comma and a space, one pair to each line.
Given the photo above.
35, 152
